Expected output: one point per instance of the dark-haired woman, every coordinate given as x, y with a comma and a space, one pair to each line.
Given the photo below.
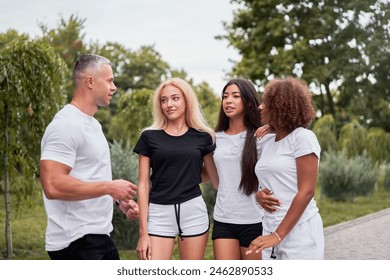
237, 216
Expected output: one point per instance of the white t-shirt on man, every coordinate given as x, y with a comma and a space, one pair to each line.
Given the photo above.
77, 140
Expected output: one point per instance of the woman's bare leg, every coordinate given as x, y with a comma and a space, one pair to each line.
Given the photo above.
193, 248
162, 247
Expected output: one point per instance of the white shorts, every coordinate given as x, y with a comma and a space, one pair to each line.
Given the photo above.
187, 219
304, 242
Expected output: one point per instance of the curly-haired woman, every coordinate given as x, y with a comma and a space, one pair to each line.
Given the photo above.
287, 171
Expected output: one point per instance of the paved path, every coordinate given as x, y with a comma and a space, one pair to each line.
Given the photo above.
365, 238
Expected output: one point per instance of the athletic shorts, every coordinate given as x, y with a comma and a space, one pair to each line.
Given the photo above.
243, 233
304, 242
88, 247
187, 219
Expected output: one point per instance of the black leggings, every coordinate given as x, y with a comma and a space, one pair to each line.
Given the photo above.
88, 247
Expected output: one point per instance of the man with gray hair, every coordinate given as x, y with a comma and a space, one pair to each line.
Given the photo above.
75, 171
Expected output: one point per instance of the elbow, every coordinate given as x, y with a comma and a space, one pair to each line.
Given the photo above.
309, 194
49, 193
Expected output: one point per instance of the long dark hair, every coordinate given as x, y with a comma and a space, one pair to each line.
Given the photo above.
251, 100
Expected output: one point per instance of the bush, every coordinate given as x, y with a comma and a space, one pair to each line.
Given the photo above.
378, 145
342, 178
325, 130
353, 139
386, 183
124, 166
209, 195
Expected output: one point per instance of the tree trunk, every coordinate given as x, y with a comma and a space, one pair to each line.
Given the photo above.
8, 231
330, 100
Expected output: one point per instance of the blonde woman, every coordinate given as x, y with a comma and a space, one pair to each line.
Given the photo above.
172, 153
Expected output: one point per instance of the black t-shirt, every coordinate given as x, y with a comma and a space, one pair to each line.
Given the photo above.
176, 163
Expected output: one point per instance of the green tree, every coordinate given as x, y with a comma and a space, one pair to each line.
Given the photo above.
67, 41
378, 145
325, 130
209, 102
32, 79
353, 139
135, 113
333, 45
139, 70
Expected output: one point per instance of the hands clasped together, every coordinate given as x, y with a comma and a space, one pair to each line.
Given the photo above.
124, 192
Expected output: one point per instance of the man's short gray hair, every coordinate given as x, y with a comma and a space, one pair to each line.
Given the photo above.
86, 62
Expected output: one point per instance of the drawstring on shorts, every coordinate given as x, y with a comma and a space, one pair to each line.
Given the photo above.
273, 253
177, 214
273, 250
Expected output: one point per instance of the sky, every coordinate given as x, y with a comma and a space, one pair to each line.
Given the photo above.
182, 31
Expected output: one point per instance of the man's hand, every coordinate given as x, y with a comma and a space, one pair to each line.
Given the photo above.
122, 190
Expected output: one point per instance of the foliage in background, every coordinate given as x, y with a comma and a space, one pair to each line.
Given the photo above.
343, 178
209, 195
124, 166
353, 138
325, 130
67, 41
341, 48
134, 113
32, 79
378, 145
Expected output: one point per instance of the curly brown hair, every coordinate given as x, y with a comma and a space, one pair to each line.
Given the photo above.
289, 103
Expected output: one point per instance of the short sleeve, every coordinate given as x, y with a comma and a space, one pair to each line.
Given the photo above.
142, 147
209, 145
306, 142
60, 143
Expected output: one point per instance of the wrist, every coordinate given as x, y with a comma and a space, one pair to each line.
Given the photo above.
278, 236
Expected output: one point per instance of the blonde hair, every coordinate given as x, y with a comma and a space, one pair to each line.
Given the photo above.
194, 115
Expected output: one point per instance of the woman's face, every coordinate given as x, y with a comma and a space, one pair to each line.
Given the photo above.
173, 103
265, 117
232, 102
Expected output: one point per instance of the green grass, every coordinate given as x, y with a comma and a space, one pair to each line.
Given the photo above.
28, 225
337, 212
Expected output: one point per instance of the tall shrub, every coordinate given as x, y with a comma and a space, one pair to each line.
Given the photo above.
378, 145
353, 138
343, 178
124, 166
325, 130
32, 80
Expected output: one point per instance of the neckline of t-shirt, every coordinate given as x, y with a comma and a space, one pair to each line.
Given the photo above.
86, 116
234, 135
288, 135
176, 136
